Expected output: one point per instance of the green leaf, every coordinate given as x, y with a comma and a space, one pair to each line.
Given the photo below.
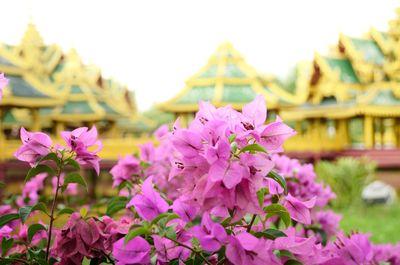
2, 184
71, 162
40, 207
37, 170
270, 233
322, 233
261, 196
65, 211
278, 178
50, 156
115, 205
5, 219
33, 229
232, 138
134, 233
278, 210
73, 178
169, 216
253, 148
6, 244
286, 253
293, 262
24, 212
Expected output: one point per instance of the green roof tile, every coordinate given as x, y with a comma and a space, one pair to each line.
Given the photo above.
347, 74
196, 94
107, 108
370, 50
210, 72
232, 70
77, 107
385, 97
238, 93
76, 90
20, 88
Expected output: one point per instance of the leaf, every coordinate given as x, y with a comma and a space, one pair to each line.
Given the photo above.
115, 205
24, 212
5, 219
33, 229
169, 216
322, 233
71, 162
65, 211
6, 244
293, 262
50, 156
278, 210
73, 178
2, 184
37, 170
232, 138
253, 148
83, 212
40, 207
270, 233
278, 178
134, 233
261, 196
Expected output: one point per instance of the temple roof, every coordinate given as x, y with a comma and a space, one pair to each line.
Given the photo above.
225, 79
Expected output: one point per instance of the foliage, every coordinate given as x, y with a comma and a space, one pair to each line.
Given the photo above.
346, 177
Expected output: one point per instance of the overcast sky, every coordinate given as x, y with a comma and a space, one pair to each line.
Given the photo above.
154, 46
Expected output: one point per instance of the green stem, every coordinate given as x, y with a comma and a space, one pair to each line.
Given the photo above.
53, 206
190, 248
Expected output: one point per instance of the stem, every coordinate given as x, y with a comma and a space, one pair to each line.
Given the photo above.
53, 206
190, 248
251, 222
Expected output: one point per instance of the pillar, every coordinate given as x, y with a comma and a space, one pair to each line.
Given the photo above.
36, 122
368, 132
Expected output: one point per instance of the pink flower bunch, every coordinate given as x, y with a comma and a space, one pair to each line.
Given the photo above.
36, 145
80, 238
31, 189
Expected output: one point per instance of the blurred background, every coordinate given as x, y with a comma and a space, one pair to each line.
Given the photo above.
330, 69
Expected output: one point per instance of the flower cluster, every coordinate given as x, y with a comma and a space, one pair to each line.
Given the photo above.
216, 192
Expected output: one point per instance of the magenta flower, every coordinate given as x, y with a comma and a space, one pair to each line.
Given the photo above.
274, 134
149, 204
329, 222
187, 142
211, 235
125, 168
184, 209
3, 84
299, 210
79, 141
295, 244
136, 251
72, 188
167, 250
34, 146
246, 249
31, 189
255, 112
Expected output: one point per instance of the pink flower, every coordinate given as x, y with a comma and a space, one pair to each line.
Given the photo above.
136, 251
184, 209
125, 168
31, 189
34, 146
211, 235
149, 204
167, 250
3, 84
297, 245
246, 249
79, 141
274, 134
299, 210
72, 188
329, 222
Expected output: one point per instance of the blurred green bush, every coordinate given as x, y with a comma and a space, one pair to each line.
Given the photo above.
347, 177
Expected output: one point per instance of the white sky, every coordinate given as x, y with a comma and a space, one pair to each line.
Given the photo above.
154, 46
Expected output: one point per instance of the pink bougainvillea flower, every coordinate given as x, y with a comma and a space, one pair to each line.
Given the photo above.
31, 189
72, 188
34, 146
184, 209
246, 249
79, 141
167, 250
187, 142
255, 112
136, 251
3, 84
125, 168
299, 210
211, 235
274, 134
149, 204
329, 221
295, 244
161, 131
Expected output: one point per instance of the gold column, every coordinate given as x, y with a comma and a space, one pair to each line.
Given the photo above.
60, 126
36, 123
368, 132
378, 133
389, 137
